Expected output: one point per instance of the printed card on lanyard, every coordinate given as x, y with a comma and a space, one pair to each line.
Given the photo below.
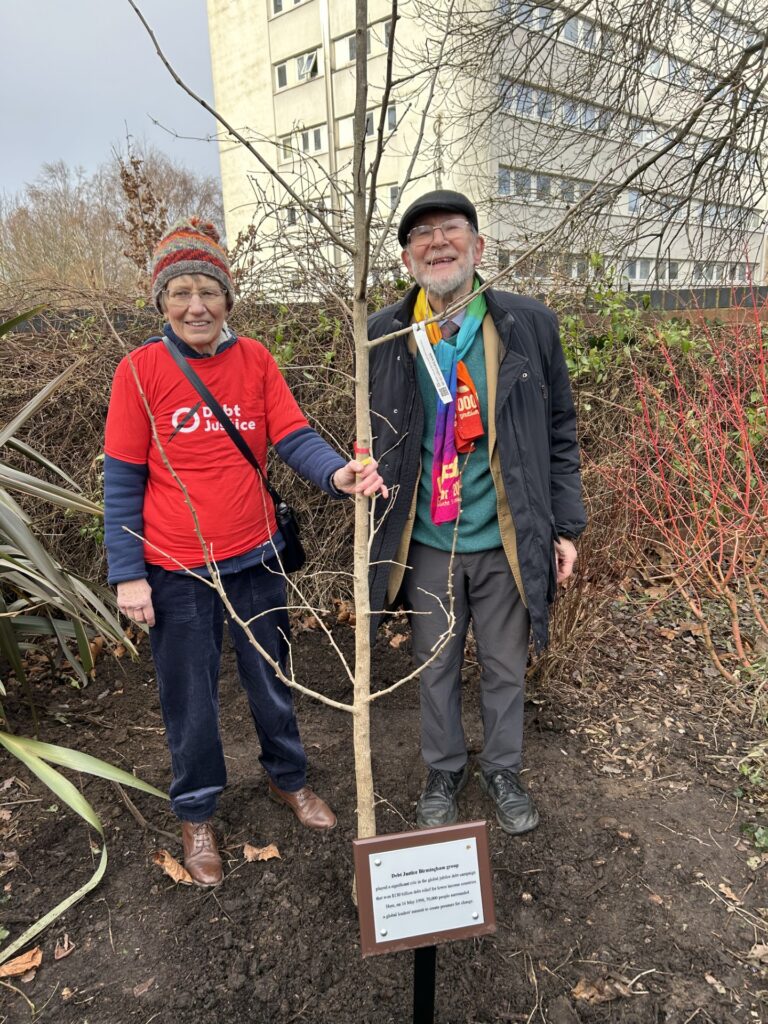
424, 346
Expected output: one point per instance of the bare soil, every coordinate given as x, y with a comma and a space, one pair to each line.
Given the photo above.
638, 899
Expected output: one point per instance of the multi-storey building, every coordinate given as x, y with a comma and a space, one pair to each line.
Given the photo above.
532, 109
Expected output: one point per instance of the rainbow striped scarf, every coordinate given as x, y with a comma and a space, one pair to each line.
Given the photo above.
446, 483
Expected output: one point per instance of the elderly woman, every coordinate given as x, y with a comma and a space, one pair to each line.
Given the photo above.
161, 579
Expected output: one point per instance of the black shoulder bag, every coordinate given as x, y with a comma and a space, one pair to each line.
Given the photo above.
293, 556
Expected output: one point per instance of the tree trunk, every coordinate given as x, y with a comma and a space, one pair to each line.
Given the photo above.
366, 815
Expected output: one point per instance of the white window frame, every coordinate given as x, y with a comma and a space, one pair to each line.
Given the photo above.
312, 140
308, 65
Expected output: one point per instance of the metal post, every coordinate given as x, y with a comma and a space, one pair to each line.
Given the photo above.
424, 961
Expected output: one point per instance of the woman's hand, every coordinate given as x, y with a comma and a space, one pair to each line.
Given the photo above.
359, 478
134, 599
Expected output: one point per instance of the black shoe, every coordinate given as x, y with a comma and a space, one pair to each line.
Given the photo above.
437, 804
515, 810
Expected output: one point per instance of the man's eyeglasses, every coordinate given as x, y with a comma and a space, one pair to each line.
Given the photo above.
423, 234
182, 298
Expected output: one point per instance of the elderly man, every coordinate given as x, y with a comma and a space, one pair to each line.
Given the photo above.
474, 423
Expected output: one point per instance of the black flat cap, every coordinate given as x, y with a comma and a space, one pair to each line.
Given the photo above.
440, 199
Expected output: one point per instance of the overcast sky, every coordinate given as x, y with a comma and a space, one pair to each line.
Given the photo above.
75, 73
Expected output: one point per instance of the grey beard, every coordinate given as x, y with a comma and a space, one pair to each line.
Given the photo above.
450, 288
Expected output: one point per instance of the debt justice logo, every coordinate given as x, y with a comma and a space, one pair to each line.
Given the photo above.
205, 417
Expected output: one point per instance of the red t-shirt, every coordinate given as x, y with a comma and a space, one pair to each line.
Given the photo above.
234, 511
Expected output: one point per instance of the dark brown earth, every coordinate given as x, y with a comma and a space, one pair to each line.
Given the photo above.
639, 884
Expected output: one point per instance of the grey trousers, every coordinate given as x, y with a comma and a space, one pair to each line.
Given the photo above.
485, 594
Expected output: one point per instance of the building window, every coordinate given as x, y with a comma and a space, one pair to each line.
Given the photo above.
277, 6
543, 187
582, 32
524, 101
638, 270
369, 129
391, 118
673, 270
352, 44
291, 217
654, 63
571, 30
281, 75
504, 181
568, 190
394, 195
307, 66
545, 106
570, 112
312, 140
285, 150
679, 72
522, 185
532, 16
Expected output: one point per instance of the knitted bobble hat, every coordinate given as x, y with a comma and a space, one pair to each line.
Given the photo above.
191, 247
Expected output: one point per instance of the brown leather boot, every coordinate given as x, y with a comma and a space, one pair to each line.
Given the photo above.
306, 805
201, 854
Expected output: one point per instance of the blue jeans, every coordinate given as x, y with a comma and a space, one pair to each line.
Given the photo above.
186, 647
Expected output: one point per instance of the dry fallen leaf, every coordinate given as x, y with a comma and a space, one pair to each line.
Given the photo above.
145, 986
759, 953
171, 867
67, 993
28, 976
21, 964
8, 861
5, 814
345, 610
718, 986
655, 898
728, 892
600, 991
252, 853
119, 651
695, 628
398, 639
63, 947
96, 646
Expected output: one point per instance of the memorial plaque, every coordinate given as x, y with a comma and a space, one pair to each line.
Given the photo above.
421, 888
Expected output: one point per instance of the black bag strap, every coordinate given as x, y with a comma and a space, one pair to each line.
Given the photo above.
220, 415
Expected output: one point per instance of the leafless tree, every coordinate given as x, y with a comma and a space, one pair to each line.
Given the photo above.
67, 233
649, 117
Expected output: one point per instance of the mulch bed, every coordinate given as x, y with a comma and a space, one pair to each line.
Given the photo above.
638, 899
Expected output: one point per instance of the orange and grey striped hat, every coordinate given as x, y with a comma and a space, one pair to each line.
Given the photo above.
191, 247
